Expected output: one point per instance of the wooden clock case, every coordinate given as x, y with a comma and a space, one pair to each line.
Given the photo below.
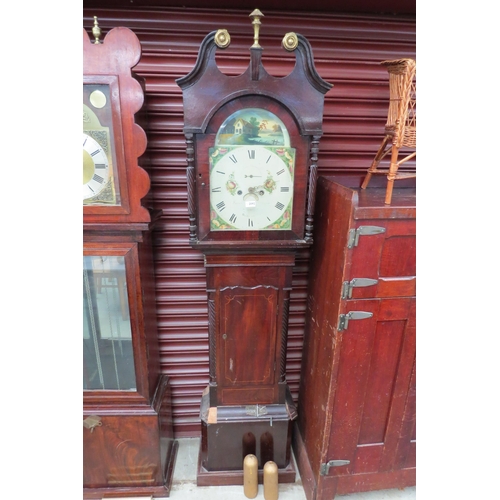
247, 406
128, 443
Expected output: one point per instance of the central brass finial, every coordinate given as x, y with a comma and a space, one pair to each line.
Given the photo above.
256, 14
96, 31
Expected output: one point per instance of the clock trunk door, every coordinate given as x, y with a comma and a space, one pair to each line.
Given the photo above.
247, 344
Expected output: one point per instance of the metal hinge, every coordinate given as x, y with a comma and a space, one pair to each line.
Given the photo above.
354, 234
347, 286
256, 410
92, 421
345, 318
323, 471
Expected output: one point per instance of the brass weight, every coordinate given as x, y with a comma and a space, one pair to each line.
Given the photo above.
271, 481
250, 476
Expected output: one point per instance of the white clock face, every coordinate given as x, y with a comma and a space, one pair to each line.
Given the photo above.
251, 188
95, 167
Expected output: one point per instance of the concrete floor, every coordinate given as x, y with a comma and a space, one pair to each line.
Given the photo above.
184, 483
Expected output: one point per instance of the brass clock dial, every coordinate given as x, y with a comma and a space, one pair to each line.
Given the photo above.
251, 187
100, 186
95, 167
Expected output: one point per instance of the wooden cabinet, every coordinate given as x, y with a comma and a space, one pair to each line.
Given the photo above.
356, 425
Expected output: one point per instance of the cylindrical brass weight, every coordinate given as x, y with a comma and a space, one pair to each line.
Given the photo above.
250, 476
270, 481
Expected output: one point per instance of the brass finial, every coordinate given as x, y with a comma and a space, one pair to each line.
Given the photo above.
290, 41
222, 38
96, 31
256, 14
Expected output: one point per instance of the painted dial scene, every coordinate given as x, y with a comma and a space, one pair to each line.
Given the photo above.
251, 173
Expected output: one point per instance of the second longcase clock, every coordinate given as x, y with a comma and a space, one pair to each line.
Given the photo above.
251, 150
128, 443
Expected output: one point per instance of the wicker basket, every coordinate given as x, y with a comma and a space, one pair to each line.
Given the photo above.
401, 126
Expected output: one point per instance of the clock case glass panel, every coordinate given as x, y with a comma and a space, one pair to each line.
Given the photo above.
296, 145
113, 348
101, 122
108, 356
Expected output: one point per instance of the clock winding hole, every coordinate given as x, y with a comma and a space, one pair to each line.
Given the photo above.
250, 200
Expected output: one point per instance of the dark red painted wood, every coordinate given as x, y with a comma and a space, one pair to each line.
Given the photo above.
362, 408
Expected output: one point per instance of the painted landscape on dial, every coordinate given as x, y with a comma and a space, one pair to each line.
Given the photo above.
253, 126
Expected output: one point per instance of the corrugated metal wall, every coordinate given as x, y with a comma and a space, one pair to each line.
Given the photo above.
347, 50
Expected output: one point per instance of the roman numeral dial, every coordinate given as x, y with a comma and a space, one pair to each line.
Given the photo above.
251, 188
95, 167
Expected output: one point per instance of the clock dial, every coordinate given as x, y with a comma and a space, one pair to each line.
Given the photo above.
95, 167
100, 179
251, 188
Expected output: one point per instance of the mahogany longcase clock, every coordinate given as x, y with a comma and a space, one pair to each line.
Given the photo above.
128, 445
252, 143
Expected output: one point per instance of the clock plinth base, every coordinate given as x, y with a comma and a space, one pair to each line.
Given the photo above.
229, 433
131, 451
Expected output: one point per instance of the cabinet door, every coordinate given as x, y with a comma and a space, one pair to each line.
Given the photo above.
374, 406
389, 257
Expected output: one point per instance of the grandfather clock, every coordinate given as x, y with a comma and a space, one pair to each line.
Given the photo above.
252, 145
128, 445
